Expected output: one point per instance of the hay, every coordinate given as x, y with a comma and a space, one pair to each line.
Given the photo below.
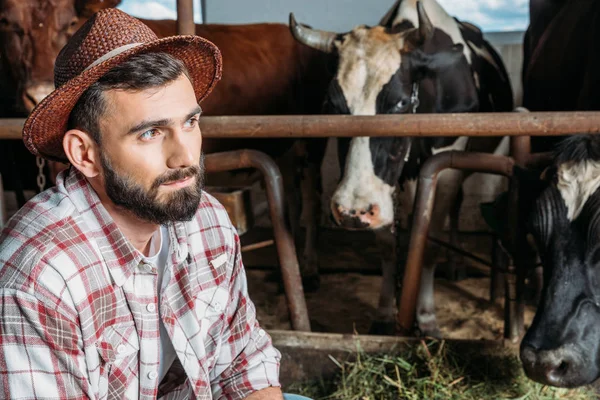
433, 370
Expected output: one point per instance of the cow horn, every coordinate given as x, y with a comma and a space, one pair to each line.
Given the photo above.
320, 40
425, 26
390, 16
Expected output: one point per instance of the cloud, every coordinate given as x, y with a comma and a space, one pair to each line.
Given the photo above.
157, 9
490, 15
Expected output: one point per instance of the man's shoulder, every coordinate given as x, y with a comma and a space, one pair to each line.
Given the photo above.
41, 225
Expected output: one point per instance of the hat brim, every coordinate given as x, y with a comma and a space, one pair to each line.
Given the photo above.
46, 125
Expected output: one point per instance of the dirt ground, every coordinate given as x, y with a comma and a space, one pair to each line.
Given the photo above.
347, 298
346, 303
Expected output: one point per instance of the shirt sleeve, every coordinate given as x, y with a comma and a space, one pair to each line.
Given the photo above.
40, 350
253, 362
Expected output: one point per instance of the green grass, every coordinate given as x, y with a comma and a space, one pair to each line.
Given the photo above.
433, 370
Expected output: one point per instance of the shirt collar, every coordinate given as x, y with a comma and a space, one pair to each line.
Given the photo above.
117, 252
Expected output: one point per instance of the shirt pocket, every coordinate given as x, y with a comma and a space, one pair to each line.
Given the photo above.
210, 306
118, 347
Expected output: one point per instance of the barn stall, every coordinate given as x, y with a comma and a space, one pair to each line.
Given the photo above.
269, 245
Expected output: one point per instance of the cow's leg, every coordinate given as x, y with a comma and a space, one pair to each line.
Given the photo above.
311, 189
302, 170
384, 322
449, 183
291, 171
454, 269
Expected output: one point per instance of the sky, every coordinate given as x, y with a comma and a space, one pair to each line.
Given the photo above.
489, 15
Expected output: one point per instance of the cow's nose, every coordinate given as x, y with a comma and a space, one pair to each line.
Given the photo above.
355, 218
550, 367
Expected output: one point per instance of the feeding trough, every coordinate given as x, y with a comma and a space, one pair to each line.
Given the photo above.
238, 204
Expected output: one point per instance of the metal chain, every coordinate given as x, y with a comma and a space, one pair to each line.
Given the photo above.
41, 178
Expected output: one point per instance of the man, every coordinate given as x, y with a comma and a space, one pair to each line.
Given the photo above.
126, 280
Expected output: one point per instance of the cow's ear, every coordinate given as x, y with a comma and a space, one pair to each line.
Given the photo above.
86, 8
452, 77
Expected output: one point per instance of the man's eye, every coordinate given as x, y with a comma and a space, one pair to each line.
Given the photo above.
192, 122
149, 134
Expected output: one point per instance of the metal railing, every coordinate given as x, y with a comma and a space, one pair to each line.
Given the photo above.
419, 125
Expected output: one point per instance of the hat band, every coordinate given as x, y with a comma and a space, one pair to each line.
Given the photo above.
112, 53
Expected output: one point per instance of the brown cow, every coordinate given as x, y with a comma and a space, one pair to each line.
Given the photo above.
265, 71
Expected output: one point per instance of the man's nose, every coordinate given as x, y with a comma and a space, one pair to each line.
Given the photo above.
182, 148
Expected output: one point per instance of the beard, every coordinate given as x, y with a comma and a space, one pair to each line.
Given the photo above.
180, 205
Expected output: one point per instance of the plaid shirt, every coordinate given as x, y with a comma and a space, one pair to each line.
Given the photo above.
78, 314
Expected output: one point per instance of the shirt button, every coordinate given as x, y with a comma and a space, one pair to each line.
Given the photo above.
152, 375
121, 349
151, 307
261, 333
148, 267
217, 307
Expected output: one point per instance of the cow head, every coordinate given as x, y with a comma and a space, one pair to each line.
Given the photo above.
32, 32
376, 70
562, 346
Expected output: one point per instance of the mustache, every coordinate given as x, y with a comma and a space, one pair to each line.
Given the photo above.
177, 175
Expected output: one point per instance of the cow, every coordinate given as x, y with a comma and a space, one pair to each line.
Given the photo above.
418, 59
561, 206
265, 72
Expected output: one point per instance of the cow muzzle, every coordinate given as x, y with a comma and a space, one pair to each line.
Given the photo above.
350, 218
562, 367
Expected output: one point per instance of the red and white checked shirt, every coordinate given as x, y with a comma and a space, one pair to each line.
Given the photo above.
78, 314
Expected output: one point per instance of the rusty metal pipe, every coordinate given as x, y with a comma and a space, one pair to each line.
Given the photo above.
460, 251
286, 249
423, 125
426, 188
185, 17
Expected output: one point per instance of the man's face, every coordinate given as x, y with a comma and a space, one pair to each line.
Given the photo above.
151, 151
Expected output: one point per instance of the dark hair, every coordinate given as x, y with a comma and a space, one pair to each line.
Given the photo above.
140, 72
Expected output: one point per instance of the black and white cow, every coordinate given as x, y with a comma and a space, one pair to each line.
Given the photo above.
561, 72
417, 44
562, 346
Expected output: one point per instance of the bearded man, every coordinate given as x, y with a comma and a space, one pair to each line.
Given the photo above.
126, 280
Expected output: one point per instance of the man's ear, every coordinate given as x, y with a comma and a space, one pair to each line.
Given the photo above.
82, 152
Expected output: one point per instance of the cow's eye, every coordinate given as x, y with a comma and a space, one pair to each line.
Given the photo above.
401, 106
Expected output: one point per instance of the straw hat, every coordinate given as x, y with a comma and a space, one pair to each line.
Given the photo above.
107, 39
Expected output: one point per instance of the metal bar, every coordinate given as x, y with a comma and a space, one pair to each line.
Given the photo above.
185, 17
460, 251
259, 245
286, 249
426, 187
425, 125
203, 8
514, 324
